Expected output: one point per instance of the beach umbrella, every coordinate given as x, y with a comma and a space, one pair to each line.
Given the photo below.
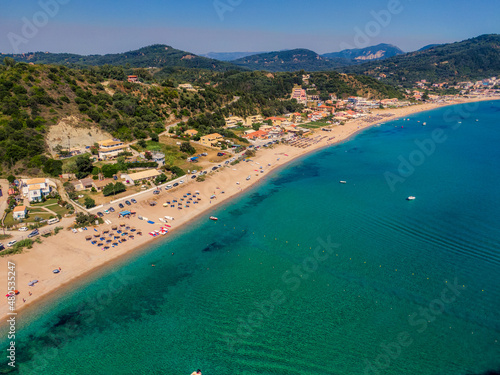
132, 229
122, 224
114, 227
105, 231
100, 244
97, 234
88, 238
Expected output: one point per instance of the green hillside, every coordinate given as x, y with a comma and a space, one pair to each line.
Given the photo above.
158, 55
290, 61
470, 59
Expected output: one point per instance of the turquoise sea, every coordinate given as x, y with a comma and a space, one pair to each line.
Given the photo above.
305, 275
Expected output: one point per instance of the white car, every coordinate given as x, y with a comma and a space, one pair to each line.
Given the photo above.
181, 181
23, 229
11, 243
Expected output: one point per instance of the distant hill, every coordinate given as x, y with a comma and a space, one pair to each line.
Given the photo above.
474, 58
291, 60
229, 56
429, 46
378, 52
158, 55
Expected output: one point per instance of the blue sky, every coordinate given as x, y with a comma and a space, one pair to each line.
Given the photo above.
201, 26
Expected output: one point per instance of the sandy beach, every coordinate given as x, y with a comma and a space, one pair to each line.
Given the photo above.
77, 257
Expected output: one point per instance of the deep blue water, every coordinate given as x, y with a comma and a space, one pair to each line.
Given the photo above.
304, 275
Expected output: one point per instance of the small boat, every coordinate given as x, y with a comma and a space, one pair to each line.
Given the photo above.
424, 124
410, 198
343, 182
56, 271
213, 218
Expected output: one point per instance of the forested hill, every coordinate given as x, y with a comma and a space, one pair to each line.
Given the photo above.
158, 55
33, 98
470, 59
290, 61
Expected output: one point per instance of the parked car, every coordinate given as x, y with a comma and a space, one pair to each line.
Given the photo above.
193, 176
2, 246
23, 229
33, 234
221, 154
176, 184
168, 187
115, 177
133, 200
11, 243
181, 181
156, 192
106, 212
194, 172
128, 203
100, 214
111, 209
214, 168
121, 205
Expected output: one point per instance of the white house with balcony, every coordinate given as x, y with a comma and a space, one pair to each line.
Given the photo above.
110, 148
36, 188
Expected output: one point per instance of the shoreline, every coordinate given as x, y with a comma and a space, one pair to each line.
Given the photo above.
80, 260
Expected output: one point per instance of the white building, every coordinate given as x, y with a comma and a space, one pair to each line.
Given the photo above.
159, 158
19, 212
110, 148
36, 188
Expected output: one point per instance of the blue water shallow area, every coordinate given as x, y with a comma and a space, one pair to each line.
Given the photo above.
305, 275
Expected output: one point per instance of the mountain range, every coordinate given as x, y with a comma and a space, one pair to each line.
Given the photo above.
473, 58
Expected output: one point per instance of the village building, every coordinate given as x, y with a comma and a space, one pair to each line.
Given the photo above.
191, 132
19, 212
36, 188
233, 121
100, 184
250, 120
158, 157
276, 120
211, 140
259, 134
110, 148
132, 78
149, 174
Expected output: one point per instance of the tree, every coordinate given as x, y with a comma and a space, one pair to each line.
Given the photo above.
187, 148
9, 62
83, 166
89, 202
177, 171
11, 179
148, 155
160, 179
113, 189
154, 137
142, 143
256, 126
